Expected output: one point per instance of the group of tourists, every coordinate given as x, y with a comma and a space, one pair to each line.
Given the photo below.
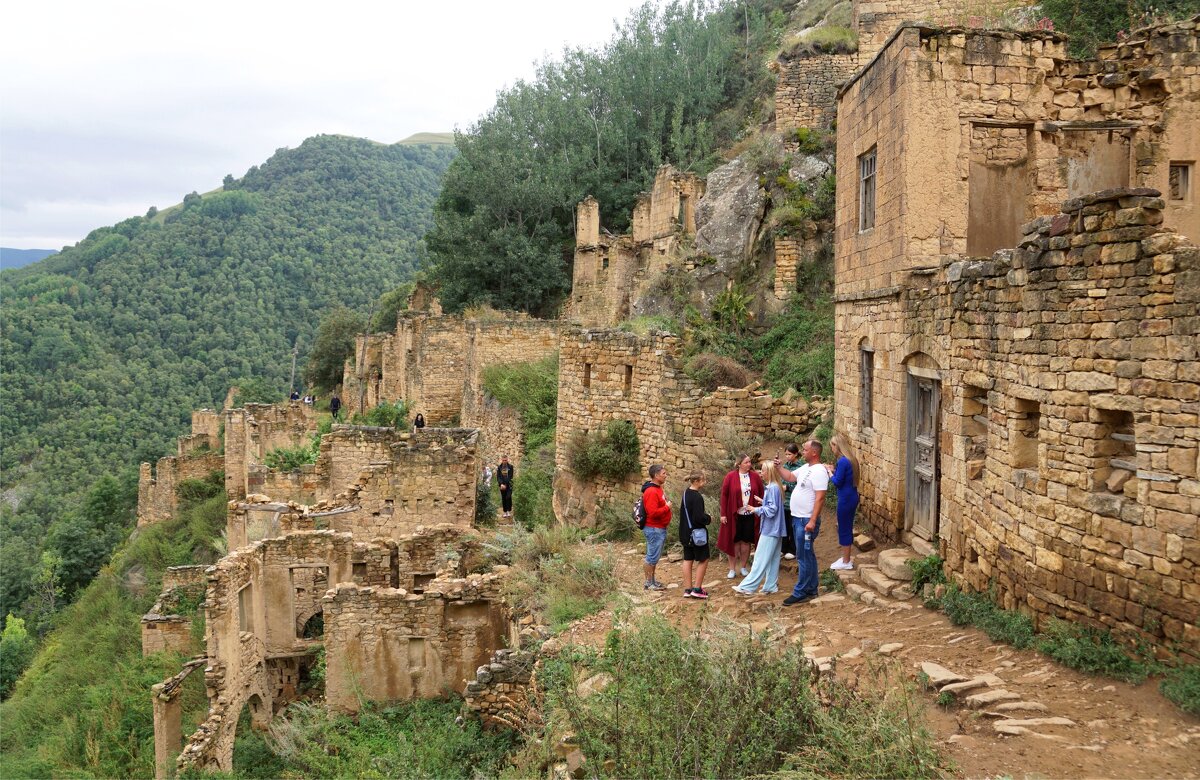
769, 513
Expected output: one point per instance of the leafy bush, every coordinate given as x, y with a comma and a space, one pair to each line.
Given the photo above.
485, 505
831, 582
255, 391
1092, 651
332, 347
554, 574
732, 309
291, 458
612, 454
926, 571
810, 141
533, 489
532, 389
196, 491
713, 371
385, 415
727, 705
614, 522
1182, 686
17, 648
798, 348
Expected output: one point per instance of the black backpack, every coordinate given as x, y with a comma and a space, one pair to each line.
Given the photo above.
639, 511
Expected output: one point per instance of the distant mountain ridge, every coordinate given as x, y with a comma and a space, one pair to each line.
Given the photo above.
17, 258
107, 346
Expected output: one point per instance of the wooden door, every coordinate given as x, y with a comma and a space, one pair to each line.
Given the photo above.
921, 494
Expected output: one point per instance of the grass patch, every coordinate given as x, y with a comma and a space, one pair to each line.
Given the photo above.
533, 489
831, 582
555, 576
926, 571
797, 351
1094, 652
385, 415
980, 610
650, 323
826, 39
727, 705
1182, 686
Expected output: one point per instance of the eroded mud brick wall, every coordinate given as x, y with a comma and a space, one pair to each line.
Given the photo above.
971, 135
609, 375
385, 644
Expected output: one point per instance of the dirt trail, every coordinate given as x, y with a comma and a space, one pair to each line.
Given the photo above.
1115, 729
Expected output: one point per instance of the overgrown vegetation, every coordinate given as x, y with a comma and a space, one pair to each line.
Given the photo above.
1091, 23
556, 575
385, 415
926, 571
724, 704
416, 739
83, 704
676, 83
797, 350
612, 454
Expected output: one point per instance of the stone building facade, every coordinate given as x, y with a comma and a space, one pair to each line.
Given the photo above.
254, 430
168, 624
607, 375
1033, 415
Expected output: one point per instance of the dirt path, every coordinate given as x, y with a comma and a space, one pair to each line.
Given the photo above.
1111, 729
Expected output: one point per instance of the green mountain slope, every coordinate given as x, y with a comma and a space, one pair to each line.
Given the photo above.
109, 345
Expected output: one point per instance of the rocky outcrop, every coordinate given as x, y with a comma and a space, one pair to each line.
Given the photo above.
730, 213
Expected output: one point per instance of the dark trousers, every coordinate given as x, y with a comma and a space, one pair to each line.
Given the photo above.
506, 498
789, 542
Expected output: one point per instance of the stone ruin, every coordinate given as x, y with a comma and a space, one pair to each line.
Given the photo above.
1016, 306
197, 456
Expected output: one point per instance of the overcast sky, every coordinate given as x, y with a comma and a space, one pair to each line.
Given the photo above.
110, 107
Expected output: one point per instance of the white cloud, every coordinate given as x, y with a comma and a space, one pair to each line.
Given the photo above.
109, 108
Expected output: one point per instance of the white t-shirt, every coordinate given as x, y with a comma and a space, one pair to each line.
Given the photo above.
745, 492
810, 478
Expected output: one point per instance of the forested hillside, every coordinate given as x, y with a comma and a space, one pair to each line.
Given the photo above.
109, 345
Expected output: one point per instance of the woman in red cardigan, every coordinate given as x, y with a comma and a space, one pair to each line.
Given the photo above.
743, 487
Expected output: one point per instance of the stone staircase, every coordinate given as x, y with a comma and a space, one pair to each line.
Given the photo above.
880, 578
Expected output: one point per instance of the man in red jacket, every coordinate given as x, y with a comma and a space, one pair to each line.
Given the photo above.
658, 517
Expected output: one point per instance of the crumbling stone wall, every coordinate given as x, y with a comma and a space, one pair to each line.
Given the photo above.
157, 499
806, 91
612, 375
611, 271
205, 435
254, 430
163, 627
499, 694
384, 644
876, 20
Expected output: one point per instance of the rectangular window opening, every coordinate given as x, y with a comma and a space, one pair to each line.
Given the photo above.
246, 609
604, 264
975, 428
1027, 424
587, 375
1179, 181
866, 190
867, 386
1115, 453
628, 380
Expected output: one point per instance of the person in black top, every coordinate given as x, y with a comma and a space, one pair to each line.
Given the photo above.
419, 422
695, 557
295, 396
335, 405
504, 476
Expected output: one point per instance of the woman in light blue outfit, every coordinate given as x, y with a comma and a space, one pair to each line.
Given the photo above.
772, 530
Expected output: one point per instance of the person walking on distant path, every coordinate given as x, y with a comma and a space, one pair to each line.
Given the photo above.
335, 406
765, 571
742, 488
694, 518
812, 480
658, 517
504, 476
844, 476
295, 396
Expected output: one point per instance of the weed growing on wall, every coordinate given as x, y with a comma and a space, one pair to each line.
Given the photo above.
612, 454
385, 415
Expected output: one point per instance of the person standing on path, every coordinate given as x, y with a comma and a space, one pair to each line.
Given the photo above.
772, 530
787, 478
812, 480
658, 517
335, 406
692, 516
504, 477
844, 476
741, 489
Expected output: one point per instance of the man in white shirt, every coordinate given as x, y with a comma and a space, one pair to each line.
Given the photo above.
808, 498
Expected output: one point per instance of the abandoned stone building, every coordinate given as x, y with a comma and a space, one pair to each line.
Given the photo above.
435, 363
197, 456
1016, 356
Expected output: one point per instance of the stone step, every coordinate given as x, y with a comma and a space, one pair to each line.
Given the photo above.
980, 700
894, 563
939, 675
876, 580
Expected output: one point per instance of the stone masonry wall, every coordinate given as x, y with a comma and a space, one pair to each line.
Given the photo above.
384, 644
806, 91
254, 430
157, 500
876, 20
163, 628
613, 375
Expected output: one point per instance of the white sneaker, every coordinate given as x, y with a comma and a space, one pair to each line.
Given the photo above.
745, 572
840, 565
789, 557
731, 574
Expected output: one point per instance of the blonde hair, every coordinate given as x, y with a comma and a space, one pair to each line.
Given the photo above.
842, 445
770, 473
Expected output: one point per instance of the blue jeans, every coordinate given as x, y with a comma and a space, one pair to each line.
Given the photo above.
808, 581
655, 539
765, 571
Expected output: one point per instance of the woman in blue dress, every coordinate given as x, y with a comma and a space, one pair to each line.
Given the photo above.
844, 476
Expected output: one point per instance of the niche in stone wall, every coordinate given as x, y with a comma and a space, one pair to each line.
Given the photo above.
246, 609
999, 181
1026, 425
309, 584
1115, 452
421, 581
975, 428
587, 376
628, 386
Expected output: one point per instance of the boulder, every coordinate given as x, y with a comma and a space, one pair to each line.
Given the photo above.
894, 563
730, 213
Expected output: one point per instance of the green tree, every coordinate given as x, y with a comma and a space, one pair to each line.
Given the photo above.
388, 308
333, 346
16, 651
